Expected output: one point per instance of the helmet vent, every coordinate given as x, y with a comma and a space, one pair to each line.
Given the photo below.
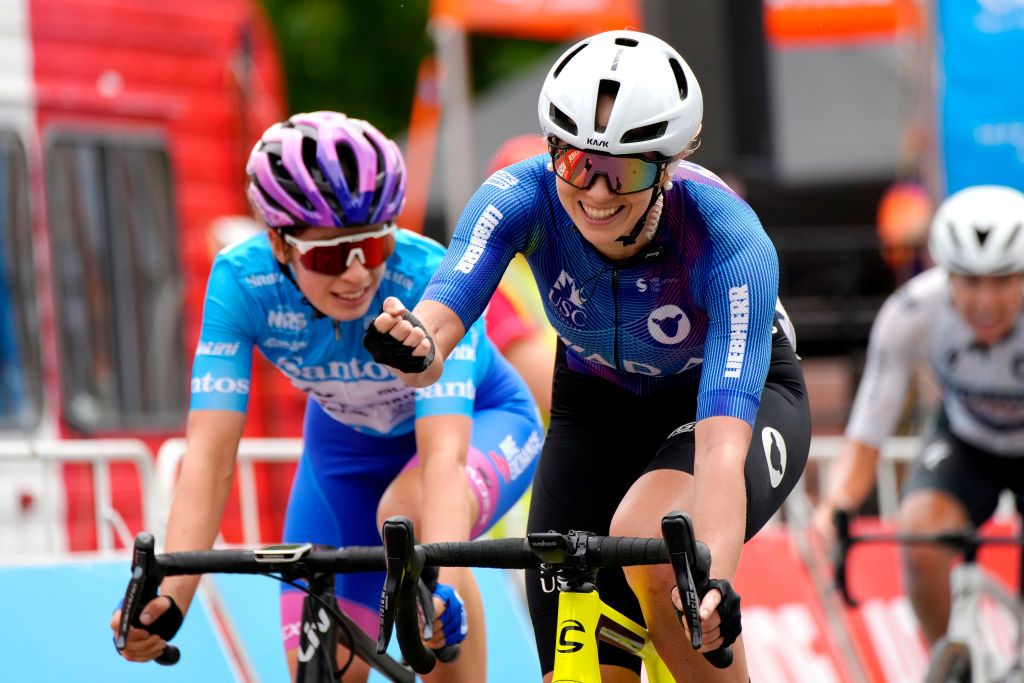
560, 119
952, 236
606, 89
982, 234
1011, 241
644, 133
677, 71
568, 57
626, 42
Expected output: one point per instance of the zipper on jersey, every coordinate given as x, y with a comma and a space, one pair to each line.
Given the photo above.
615, 300
337, 329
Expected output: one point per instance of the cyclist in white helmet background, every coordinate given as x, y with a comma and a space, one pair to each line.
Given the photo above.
662, 287
964, 319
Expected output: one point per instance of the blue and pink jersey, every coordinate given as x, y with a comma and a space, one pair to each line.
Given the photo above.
696, 305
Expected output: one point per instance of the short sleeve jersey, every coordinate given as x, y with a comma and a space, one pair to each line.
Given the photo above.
696, 304
982, 386
251, 303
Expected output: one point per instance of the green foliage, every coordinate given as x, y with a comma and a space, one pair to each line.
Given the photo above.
355, 56
361, 57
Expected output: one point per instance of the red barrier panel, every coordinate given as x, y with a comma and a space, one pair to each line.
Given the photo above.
883, 626
785, 630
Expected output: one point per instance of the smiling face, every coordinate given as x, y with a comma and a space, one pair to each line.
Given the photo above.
600, 215
341, 297
603, 217
989, 305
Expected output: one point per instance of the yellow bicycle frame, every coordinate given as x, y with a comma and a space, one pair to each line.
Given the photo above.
583, 620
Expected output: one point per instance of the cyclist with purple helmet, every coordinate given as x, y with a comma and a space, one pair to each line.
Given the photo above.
453, 457
676, 382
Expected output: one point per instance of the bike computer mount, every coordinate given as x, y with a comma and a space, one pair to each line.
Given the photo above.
282, 552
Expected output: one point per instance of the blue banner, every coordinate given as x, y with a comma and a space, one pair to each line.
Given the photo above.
981, 92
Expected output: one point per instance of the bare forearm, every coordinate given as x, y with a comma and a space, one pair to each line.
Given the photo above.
202, 490
198, 507
853, 475
443, 442
720, 496
445, 328
446, 504
720, 510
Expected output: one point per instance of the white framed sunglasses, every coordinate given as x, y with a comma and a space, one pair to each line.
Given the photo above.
335, 255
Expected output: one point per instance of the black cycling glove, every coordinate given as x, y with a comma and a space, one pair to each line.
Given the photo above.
728, 610
387, 350
167, 624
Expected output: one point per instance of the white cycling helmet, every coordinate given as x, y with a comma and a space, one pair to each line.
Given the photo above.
658, 105
980, 231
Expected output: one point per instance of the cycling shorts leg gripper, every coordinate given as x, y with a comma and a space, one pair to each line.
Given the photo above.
502, 457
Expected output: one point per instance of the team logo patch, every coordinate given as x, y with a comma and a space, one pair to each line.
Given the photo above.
565, 296
934, 453
775, 452
668, 324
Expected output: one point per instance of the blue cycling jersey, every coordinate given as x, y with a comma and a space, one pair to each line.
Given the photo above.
697, 302
250, 302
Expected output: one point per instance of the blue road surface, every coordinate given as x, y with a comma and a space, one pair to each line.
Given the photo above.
53, 627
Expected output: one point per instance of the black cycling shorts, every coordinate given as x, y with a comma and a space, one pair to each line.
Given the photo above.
603, 438
970, 474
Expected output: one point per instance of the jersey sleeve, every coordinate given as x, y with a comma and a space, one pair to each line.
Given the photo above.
493, 227
455, 392
221, 371
896, 336
739, 298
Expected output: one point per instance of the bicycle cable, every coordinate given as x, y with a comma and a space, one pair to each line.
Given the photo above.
333, 612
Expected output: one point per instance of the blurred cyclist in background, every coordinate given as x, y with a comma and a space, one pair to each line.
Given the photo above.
964, 319
453, 457
661, 284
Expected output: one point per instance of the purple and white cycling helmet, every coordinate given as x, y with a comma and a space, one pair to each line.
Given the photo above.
325, 169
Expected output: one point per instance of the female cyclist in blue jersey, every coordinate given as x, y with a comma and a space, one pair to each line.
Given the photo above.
453, 457
676, 386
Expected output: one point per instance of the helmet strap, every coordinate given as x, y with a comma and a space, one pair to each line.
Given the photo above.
629, 239
286, 270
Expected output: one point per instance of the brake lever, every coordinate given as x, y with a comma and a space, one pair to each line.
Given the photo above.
399, 601
395, 534
841, 519
677, 531
691, 562
142, 587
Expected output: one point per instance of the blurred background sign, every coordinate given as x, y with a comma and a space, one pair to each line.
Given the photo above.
538, 19
981, 92
834, 21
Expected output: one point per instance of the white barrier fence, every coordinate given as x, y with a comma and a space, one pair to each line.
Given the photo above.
32, 467
33, 509
824, 449
250, 452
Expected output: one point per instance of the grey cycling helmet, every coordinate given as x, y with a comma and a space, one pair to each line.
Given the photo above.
980, 231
